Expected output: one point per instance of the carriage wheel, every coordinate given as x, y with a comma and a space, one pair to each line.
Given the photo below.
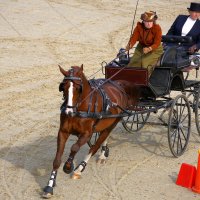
179, 125
135, 122
197, 110
93, 139
190, 97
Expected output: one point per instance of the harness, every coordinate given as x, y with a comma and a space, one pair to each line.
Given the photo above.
96, 85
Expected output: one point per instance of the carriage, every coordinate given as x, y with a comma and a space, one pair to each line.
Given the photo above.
92, 108
170, 74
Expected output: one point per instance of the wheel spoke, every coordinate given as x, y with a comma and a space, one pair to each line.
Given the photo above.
179, 139
134, 117
142, 117
128, 118
175, 112
186, 116
132, 124
137, 122
183, 134
180, 111
173, 132
174, 138
181, 114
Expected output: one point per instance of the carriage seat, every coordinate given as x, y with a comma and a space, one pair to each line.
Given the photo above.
175, 55
179, 40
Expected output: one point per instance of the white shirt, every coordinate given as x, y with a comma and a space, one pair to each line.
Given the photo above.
187, 26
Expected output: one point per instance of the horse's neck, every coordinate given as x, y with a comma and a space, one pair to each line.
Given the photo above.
92, 97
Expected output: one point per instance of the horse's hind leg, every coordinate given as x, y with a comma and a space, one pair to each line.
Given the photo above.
104, 149
104, 152
61, 140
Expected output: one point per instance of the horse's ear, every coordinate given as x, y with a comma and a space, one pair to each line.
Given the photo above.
62, 70
82, 67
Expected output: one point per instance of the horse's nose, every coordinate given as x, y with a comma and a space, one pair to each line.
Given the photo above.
70, 113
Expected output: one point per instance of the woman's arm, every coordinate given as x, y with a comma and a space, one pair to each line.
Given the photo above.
134, 38
157, 38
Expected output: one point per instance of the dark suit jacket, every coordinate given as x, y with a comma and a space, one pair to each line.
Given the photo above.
177, 26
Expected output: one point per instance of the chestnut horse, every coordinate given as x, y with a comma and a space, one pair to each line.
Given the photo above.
89, 107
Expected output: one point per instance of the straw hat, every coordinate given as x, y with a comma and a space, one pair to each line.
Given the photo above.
149, 16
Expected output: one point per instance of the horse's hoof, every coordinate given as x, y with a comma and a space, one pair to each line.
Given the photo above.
68, 167
101, 161
46, 195
76, 176
48, 192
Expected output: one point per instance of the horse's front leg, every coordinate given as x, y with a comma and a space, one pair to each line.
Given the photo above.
69, 166
81, 167
61, 140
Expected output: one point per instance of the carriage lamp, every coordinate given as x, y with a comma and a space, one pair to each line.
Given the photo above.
195, 62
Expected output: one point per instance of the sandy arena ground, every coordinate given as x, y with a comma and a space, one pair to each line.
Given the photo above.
36, 36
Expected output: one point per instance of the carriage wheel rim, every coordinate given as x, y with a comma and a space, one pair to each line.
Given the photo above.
135, 122
179, 125
197, 110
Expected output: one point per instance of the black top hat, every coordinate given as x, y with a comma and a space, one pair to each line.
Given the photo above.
194, 7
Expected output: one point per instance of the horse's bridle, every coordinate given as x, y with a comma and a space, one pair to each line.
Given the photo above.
72, 78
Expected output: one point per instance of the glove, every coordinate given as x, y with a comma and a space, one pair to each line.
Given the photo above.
121, 52
147, 50
193, 48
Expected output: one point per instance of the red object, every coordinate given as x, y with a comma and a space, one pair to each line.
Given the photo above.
196, 187
186, 176
137, 76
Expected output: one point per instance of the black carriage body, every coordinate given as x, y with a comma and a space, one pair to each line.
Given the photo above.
160, 83
171, 73
167, 75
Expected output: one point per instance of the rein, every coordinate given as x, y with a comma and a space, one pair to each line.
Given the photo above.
103, 82
95, 86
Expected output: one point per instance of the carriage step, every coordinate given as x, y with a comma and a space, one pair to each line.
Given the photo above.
191, 83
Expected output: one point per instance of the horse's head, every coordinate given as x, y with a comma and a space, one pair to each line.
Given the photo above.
72, 87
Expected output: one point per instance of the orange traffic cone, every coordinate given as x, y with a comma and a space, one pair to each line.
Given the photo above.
196, 187
186, 176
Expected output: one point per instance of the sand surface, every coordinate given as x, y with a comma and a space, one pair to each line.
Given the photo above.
36, 36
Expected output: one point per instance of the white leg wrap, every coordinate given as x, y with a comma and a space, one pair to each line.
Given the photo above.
52, 179
102, 155
81, 167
